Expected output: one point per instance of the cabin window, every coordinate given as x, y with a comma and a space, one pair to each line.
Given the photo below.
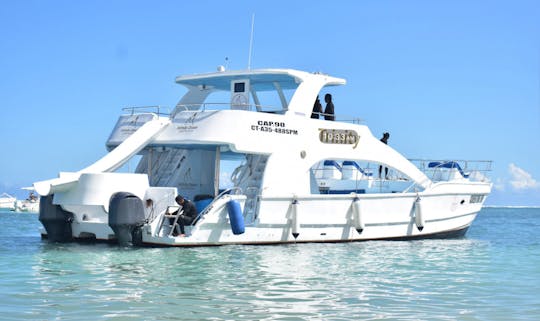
354, 176
239, 87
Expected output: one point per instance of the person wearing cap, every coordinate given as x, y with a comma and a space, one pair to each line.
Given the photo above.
384, 139
189, 213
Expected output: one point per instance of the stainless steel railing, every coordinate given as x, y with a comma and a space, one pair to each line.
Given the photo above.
201, 107
229, 191
158, 110
444, 170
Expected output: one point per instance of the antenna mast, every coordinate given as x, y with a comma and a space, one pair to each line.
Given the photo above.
251, 41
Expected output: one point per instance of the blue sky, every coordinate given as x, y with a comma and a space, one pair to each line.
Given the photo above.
447, 79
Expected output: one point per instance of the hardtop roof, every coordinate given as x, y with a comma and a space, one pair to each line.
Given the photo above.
261, 79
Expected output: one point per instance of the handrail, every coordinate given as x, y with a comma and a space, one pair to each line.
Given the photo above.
248, 107
439, 170
466, 165
201, 107
413, 184
345, 119
209, 206
155, 109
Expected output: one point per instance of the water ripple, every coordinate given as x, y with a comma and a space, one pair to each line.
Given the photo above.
482, 277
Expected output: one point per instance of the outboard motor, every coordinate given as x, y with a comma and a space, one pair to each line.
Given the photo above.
126, 216
55, 220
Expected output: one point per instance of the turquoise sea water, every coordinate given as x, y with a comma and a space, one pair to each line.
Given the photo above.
491, 274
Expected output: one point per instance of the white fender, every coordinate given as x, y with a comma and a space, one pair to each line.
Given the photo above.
418, 215
295, 222
359, 224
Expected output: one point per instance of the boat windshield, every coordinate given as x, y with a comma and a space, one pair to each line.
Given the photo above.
254, 92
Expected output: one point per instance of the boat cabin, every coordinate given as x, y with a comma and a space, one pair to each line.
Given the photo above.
250, 132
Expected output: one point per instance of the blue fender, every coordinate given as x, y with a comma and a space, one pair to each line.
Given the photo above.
235, 217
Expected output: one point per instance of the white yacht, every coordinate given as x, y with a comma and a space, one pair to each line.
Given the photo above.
7, 202
293, 178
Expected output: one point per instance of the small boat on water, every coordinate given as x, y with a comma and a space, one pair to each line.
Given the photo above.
7, 202
295, 178
28, 205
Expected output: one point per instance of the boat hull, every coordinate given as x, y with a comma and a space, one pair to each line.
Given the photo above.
328, 218
451, 234
7, 204
384, 221
27, 206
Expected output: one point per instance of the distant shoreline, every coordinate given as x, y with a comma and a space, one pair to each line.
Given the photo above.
511, 206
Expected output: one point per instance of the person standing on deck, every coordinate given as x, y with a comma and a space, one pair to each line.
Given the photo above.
384, 139
329, 110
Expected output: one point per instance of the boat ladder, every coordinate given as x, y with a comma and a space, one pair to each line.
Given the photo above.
167, 216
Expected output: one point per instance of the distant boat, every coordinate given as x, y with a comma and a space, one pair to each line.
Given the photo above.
30, 205
7, 202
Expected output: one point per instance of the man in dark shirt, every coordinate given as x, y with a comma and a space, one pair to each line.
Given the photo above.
384, 139
329, 110
189, 213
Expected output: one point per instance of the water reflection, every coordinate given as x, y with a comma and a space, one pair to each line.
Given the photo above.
372, 279
419, 280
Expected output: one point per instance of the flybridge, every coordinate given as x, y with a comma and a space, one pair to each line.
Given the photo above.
294, 91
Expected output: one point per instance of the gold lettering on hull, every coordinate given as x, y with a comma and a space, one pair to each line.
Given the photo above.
339, 136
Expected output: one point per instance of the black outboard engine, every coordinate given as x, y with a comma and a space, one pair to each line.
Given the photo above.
57, 221
126, 216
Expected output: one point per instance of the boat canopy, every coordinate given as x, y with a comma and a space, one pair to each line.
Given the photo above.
260, 79
245, 84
